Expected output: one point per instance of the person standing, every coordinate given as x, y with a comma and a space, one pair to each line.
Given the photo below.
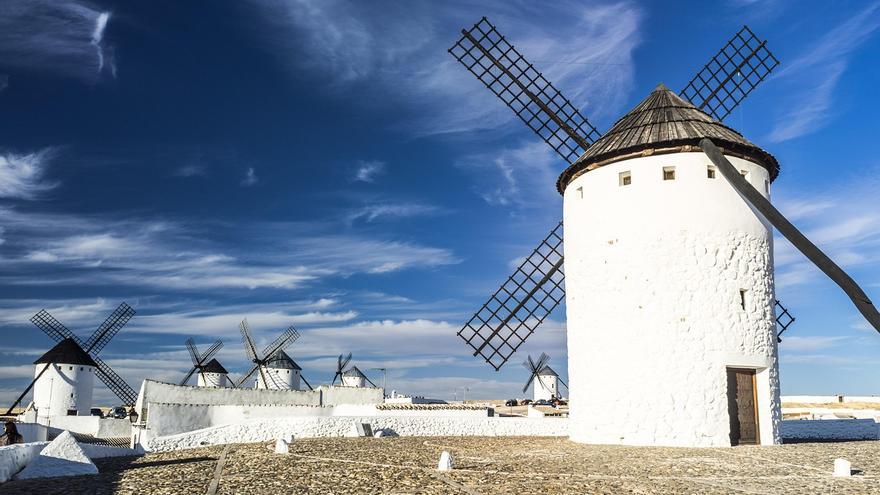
11, 435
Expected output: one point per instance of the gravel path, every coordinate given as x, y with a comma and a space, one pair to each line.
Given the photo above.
498, 465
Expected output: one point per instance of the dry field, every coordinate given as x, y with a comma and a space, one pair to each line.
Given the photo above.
483, 465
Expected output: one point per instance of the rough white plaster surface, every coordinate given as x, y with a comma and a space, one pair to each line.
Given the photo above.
62, 457
830, 429
14, 457
63, 387
89, 425
267, 430
653, 273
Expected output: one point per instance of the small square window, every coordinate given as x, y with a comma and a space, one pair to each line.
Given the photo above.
625, 178
668, 173
710, 172
580, 193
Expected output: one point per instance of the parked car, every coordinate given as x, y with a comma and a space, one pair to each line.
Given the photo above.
511, 402
542, 402
118, 412
96, 411
525, 402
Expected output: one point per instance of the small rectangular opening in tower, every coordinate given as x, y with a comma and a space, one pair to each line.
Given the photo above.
710, 172
625, 178
668, 173
766, 186
742, 298
744, 173
580, 192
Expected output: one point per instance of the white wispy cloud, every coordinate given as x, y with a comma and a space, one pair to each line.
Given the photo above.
521, 176
70, 248
811, 343
813, 76
21, 176
373, 212
190, 171
588, 53
367, 171
61, 37
250, 177
843, 221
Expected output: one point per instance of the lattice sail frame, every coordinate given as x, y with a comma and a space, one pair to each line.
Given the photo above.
520, 305
534, 99
730, 75
784, 319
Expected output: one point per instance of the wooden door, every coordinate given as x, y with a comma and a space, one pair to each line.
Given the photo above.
742, 404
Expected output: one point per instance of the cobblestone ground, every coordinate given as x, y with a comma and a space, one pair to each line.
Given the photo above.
482, 465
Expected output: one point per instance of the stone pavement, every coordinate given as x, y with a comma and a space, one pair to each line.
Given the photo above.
483, 465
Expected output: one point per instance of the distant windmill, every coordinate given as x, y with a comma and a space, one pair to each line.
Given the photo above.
351, 377
663, 261
545, 380
341, 363
274, 367
211, 372
67, 388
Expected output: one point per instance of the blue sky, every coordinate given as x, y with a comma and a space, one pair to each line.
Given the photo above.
328, 165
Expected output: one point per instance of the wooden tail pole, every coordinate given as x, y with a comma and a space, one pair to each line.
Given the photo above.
804, 245
28, 389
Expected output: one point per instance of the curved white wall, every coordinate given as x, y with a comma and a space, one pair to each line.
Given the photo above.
62, 388
217, 380
653, 273
279, 379
546, 388
353, 381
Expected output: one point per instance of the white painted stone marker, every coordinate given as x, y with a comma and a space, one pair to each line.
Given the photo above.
281, 446
62, 457
445, 463
842, 468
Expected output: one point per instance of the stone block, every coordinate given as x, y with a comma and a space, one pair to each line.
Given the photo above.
446, 462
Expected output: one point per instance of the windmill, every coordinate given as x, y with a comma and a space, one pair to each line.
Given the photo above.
211, 372
341, 363
628, 228
274, 367
69, 387
546, 380
351, 377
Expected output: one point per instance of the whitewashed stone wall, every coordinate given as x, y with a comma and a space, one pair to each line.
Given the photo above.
653, 273
15, 457
265, 430
170, 419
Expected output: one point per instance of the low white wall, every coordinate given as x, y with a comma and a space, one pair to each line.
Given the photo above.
265, 430
170, 419
89, 425
334, 396
829, 399
13, 458
830, 429
33, 432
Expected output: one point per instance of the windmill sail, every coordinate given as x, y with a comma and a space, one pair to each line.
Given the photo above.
109, 328
502, 69
804, 245
725, 81
522, 303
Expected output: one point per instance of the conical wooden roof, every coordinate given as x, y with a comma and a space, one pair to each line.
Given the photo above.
67, 352
214, 366
664, 123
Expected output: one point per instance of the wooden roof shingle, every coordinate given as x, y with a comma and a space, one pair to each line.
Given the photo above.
664, 123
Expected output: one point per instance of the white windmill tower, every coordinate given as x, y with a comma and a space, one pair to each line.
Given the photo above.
65, 388
64, 377
274, 368
668, 268
210, 372
352, 377
543, 378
